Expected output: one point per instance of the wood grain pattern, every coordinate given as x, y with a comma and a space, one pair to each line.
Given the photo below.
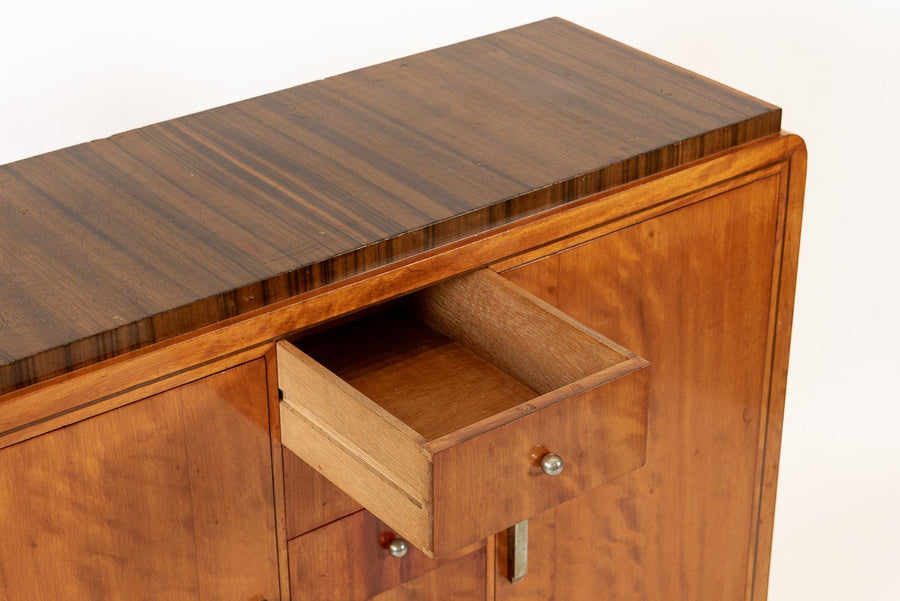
692, 291
782, 312
428, 381
74, 396
310, 499
516, 331
348, 560
76, 408
495, 480
356, 445
114, 245
165, 498
461, 580
273, 398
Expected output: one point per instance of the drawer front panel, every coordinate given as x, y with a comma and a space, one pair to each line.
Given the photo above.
484, 484
348, 560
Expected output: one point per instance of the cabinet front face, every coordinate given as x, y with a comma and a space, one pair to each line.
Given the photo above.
168, 498
692, 292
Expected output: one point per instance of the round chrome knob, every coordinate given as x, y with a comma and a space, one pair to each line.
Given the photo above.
552, 464
398, 547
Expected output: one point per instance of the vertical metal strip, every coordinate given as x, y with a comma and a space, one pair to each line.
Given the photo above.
517, 551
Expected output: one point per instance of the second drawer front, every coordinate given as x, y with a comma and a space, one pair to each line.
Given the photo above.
348, 560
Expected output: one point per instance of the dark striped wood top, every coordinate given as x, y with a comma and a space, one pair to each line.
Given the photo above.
112, 245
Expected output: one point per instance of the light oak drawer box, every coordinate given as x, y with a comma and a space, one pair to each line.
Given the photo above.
435, 413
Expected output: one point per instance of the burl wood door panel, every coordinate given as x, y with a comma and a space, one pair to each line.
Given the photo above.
167, 498
691, 292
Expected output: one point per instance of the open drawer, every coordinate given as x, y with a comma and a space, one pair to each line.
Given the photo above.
449, 414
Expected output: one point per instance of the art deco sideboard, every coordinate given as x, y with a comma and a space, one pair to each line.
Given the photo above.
505, 320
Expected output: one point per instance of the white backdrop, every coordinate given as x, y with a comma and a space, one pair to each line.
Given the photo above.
76, 71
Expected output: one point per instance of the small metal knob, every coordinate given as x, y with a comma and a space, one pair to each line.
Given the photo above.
398, 547
552, 464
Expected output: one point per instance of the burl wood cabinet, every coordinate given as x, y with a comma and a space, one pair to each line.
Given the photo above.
378, 336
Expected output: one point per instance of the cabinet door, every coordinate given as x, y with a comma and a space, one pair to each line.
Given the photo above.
690, 291
167, 498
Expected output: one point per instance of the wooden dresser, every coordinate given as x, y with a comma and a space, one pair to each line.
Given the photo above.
506, 320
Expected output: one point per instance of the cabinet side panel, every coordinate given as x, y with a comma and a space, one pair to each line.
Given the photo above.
783, 309
167, 498
690, 292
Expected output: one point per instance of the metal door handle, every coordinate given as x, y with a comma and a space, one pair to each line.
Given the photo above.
517, 551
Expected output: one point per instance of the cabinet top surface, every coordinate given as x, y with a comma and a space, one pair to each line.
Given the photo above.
113, 245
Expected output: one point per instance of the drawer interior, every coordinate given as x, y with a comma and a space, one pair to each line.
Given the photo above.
451, 356
434, 384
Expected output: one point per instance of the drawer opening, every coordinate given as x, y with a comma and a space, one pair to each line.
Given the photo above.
464, 351
395, 405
